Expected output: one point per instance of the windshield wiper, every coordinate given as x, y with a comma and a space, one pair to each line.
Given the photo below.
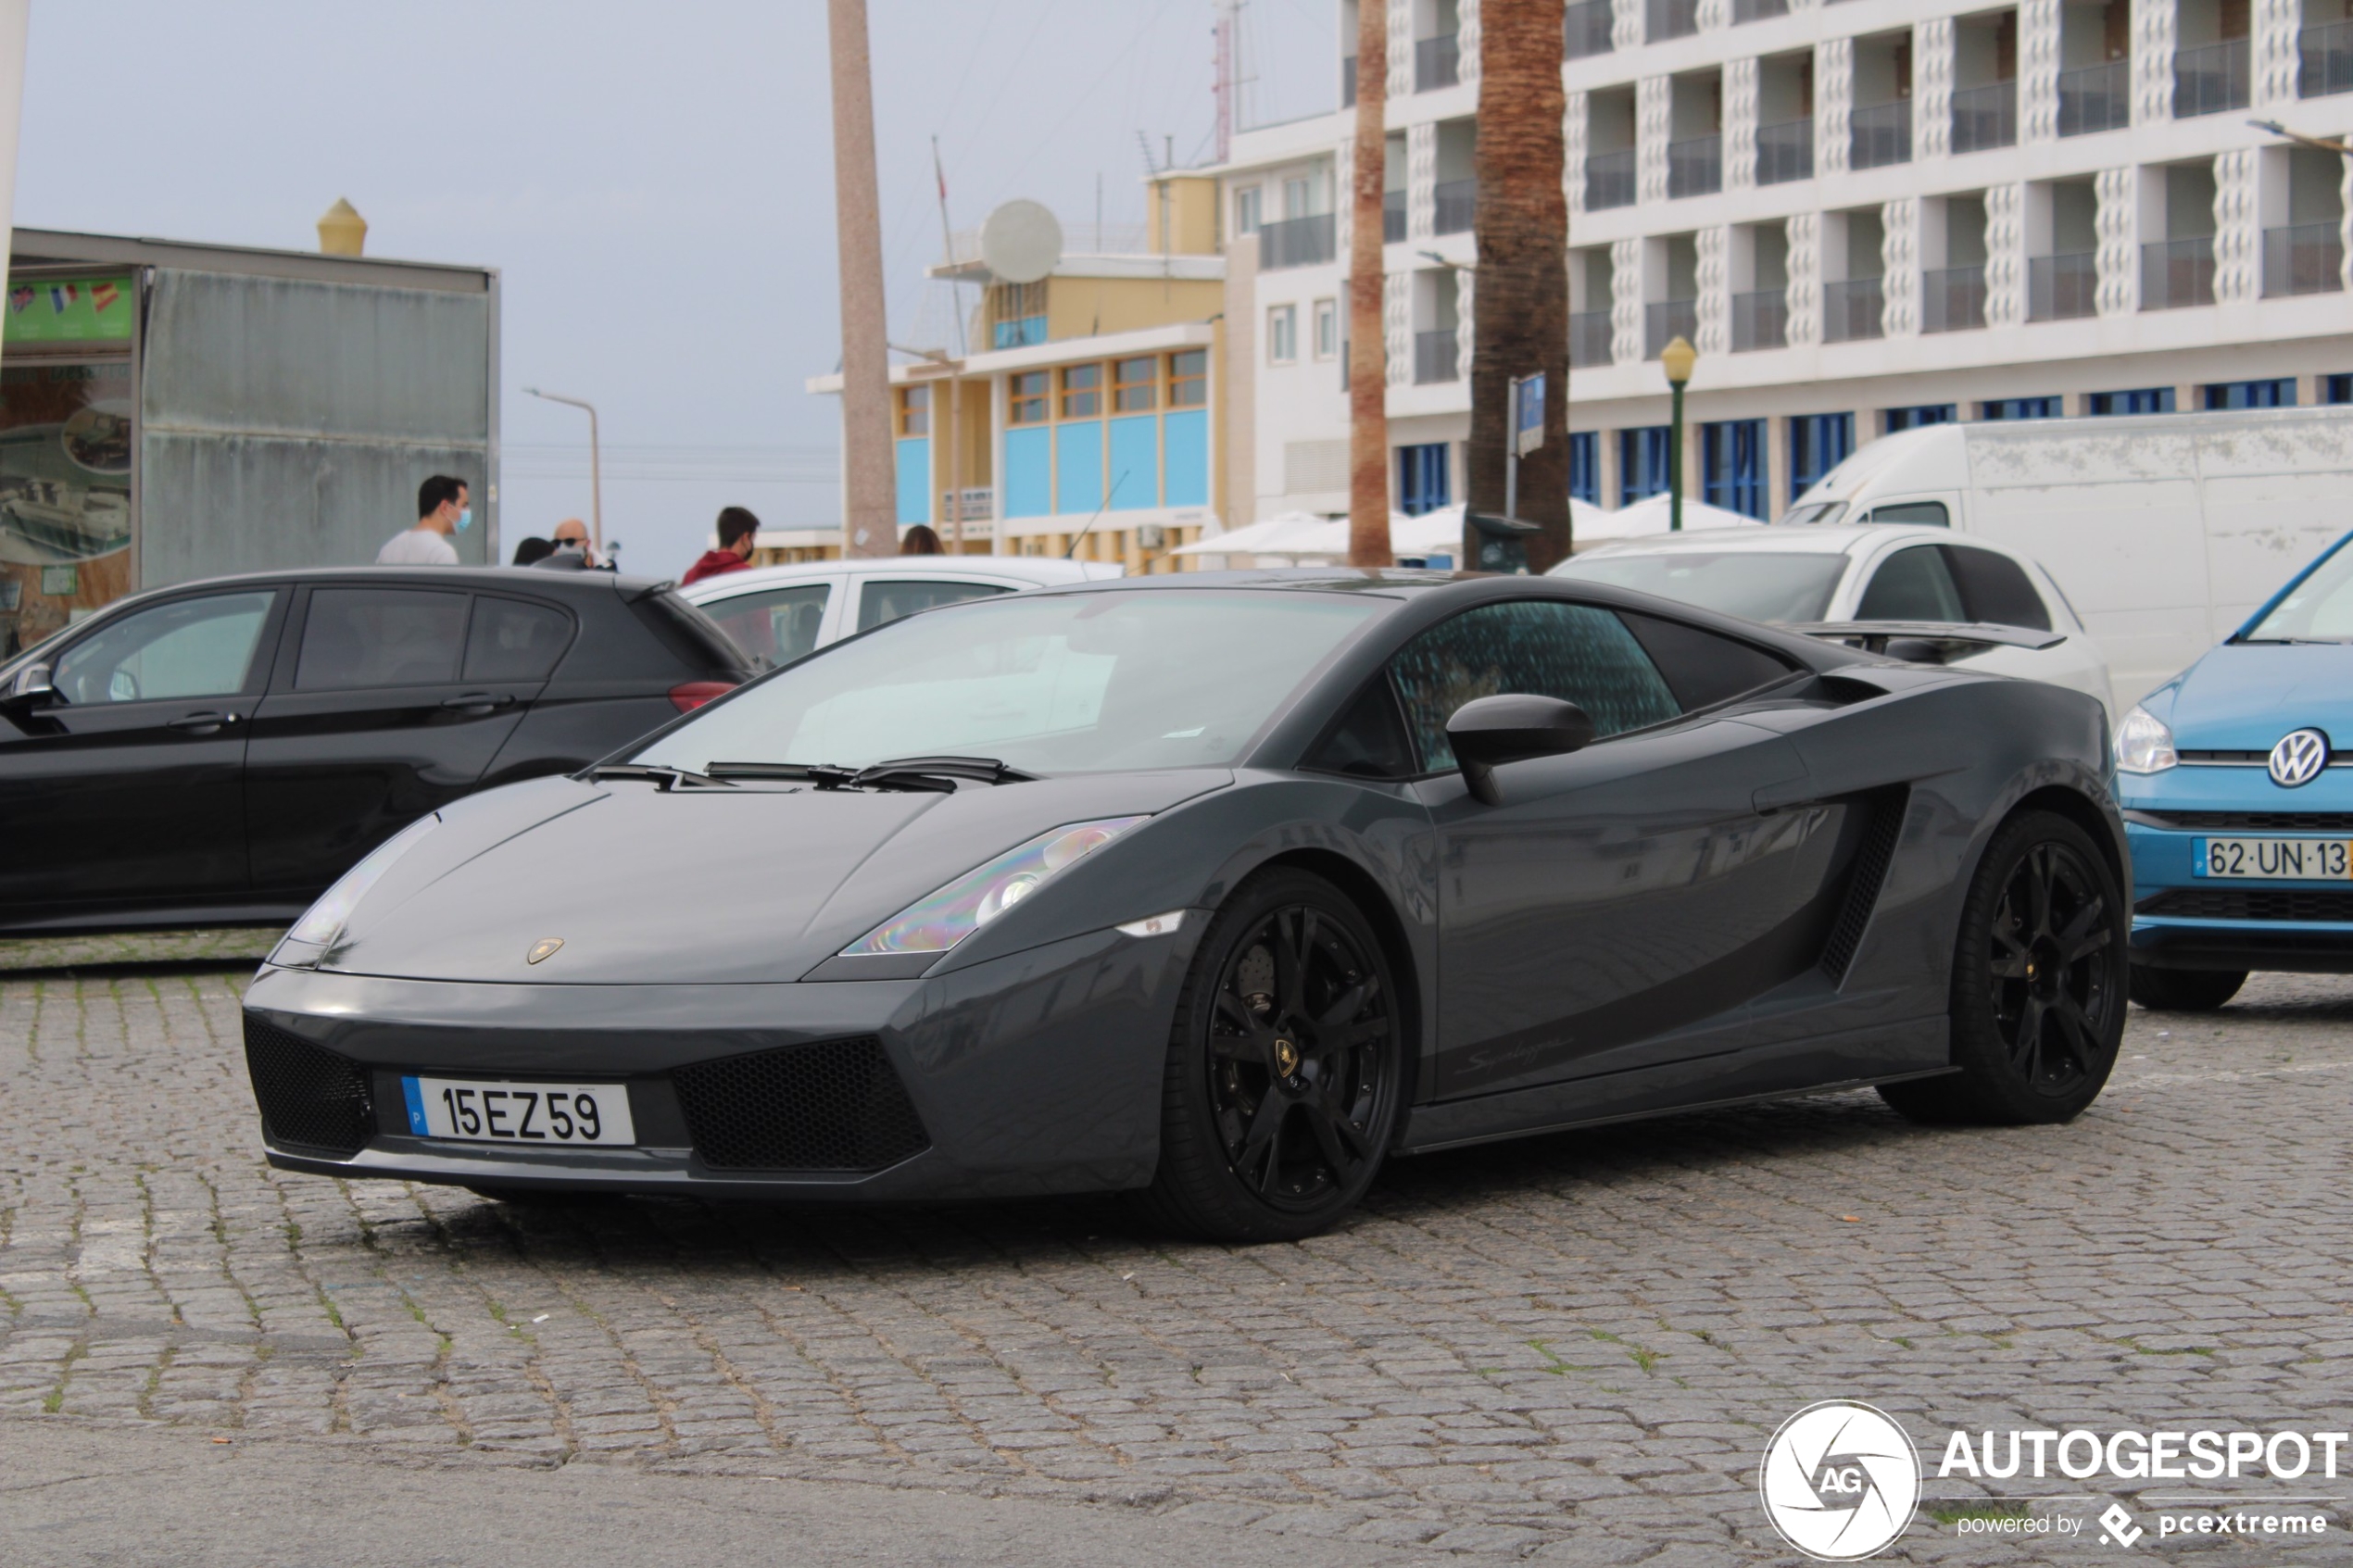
934, 774
666, 778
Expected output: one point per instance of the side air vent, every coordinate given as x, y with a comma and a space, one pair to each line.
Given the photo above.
1868, 875
309, 1096
833, 1106
1844, 689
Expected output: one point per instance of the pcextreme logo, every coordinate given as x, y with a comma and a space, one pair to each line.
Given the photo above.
1840, 1480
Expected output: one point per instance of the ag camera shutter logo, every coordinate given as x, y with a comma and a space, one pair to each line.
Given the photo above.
1840, 1480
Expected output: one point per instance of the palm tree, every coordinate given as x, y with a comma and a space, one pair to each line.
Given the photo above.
1367, 355
1520, 305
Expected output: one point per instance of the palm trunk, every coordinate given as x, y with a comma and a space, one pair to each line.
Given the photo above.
1367, 355
1520, 309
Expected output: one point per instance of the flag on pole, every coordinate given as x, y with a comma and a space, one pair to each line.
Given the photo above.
62, 295
103, 295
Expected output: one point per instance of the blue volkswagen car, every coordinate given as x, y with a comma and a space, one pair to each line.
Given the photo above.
2236, 781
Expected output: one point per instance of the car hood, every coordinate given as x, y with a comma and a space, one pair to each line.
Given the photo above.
647, 885
2244, 696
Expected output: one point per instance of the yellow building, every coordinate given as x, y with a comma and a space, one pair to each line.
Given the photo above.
1088, 407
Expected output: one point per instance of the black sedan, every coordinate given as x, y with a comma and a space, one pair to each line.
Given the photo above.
222, 751
1219, 889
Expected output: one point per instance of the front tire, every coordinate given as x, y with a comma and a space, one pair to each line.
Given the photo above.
2038, 983
1285, 1067
2185, 990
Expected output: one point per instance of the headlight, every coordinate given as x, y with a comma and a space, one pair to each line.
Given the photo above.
2144, 745
938, 923
323, 922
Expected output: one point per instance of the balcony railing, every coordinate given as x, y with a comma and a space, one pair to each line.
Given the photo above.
1437, 357
2210, 78
1348, 81
1295, 242
1695, 166
2326, 59
2303, 259
1757, 10
1586, 30
1589, 336
1609, 180
1760, 320
1881, 134
2175, 273
2095, 98
1952, 299
1456, 207
1851, 309
1784, 151
1392, 216
1663, 19
2063, 287
1664, 320
1985, 117
1438, 62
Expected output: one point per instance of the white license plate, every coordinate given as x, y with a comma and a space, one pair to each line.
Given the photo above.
475, 1111
2276, 860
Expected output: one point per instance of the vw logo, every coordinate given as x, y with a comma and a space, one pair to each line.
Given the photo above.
2299, 758
1840, 1480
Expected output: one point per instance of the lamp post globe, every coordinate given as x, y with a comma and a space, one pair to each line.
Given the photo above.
1676, 360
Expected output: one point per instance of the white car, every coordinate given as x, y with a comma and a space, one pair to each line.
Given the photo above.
1919, 591
781, 613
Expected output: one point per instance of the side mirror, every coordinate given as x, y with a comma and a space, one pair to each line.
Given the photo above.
1490, 731
27, 691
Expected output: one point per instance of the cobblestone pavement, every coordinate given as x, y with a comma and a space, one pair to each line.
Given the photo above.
1570, 1350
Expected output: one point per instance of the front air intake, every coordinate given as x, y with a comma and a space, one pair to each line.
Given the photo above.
309, 1096
835, 1105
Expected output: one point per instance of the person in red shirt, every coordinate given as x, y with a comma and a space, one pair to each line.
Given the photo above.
738, 528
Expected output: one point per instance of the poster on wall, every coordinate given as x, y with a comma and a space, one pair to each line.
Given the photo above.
65, 492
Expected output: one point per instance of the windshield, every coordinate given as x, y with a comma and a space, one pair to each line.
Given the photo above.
1747, 583
1043, 683
2319, 610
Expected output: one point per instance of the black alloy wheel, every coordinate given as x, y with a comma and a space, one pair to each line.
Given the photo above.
2038, 983
1282, 1088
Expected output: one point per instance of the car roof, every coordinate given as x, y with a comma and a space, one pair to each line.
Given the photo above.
512, 577
1776, 539
1027, 569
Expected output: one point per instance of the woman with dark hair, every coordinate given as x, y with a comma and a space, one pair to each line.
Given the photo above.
533, 550
920, 541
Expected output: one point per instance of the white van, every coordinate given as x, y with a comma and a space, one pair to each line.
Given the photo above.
2165, 531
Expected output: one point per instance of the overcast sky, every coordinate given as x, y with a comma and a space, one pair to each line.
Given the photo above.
655, 185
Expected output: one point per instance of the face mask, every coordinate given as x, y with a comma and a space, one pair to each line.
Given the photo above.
465, 520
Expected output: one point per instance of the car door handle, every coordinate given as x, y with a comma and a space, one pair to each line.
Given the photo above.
202, 723
478, 702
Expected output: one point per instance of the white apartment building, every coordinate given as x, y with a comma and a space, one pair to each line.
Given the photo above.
1866, 214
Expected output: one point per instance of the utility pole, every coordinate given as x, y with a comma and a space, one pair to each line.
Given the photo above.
1519, 317
14, 16
870, 501
1367, 338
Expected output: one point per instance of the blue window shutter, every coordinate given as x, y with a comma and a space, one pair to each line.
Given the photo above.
1029, 472
1187, 435
1079, 468
915, 480
1135, 462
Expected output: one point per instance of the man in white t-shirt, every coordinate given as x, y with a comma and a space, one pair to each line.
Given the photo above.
441, 511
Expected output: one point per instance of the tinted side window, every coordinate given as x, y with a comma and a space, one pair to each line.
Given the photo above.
1996, 589
878, 602
515, 640
1575, 652
1912, 584
774, 627
1927, 514
190, 647
356, 637
1701, 668
686, 632
1369, 741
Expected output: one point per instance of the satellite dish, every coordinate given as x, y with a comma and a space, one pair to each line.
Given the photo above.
1021, 242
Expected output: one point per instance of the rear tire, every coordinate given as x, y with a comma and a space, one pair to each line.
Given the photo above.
2185, 990
2038, 983
1285, 1068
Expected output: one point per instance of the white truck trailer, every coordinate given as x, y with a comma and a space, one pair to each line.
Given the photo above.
2165, 531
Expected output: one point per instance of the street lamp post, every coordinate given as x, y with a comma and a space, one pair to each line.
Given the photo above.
595, 468
1676, 360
